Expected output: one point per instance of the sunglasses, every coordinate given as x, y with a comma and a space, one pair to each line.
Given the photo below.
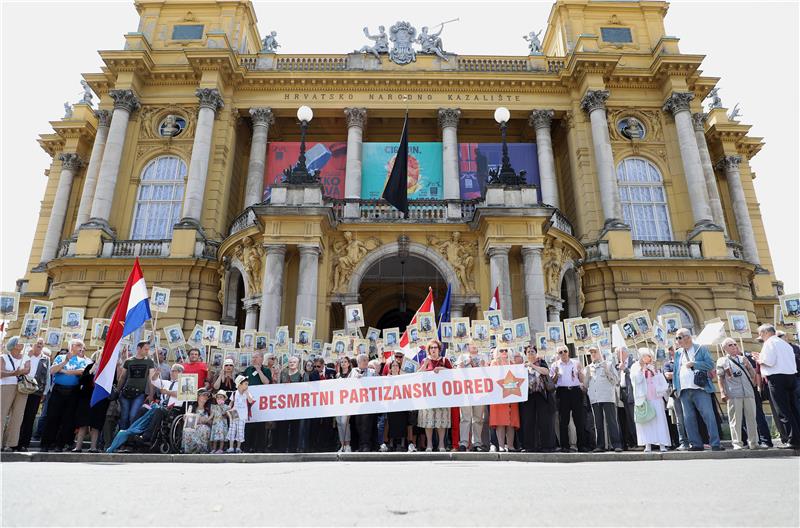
678, 338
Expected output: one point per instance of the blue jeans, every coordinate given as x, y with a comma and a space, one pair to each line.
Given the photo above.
700, 400
128, 410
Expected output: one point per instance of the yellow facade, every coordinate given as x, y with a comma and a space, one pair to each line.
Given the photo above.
215, 273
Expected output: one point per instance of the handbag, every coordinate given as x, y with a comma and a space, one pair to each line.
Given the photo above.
25, 384
700, 376
643, 413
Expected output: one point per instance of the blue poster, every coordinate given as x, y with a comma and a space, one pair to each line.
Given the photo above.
475, 160
424, 170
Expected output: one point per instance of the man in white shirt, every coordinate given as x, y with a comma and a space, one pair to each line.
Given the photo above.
568, 377
778, 365
168, 389
472, 417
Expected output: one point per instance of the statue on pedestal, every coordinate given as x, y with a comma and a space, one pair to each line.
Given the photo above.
381, 43
269, 44
534, 44
431, 43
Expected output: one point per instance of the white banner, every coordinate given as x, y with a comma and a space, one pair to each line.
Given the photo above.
380, 394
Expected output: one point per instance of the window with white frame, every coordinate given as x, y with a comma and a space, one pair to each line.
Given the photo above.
160, 199
644, 202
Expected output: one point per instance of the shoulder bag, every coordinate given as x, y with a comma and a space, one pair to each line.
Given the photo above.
25, 384
643, 413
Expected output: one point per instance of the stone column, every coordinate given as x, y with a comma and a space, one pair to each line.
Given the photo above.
448, 121
699, 120
553, 314
251, 316
125, 103
356, 120
70, 163
678, 106
594, 103
306, 306
272, 288
730, 164
210, 102
254, 190
541, 120
93, 169
500, 276
534, 287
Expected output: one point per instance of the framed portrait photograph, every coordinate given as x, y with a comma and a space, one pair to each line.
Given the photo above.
44, 309
247, 340
461, 330
190, 421
790, 307
159, 299
245, 359
99, 331
180, 354
303, 336
409, 366
738, 324
391, 338
777, 319
507, 337
580, 333
327, 349
71, 318
174, 334
659, 335
495, 320
261, 341
354, 316
196, 336
596, 328
53, 338
522, 331
339, 347
427, 325
79, 333
31, 327
446, 329
215, 359
671, 322
211, 331
187, 387
643, 324
414, 339
373, 334
555, 334
340, 332
282, 339
308, 322
568, 332
227, 336
630, 333
480, 332
361, 346
9, 306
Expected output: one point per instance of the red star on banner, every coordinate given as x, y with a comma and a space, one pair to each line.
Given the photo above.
510, 385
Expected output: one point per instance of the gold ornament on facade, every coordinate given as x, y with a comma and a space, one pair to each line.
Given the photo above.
554, 257
347, 254
650, 120
151, 118
222, 271
251, 255
461, 256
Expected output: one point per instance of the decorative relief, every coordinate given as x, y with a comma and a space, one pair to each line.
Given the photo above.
152, 117
678, 102
554, 257
347, 254
648, 120
461, 255
251, 255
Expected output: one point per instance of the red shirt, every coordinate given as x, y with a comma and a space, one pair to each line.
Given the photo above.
434, 363
199, 368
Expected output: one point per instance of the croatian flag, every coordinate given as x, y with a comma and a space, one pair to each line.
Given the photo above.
427, 306
131, 313
494, 304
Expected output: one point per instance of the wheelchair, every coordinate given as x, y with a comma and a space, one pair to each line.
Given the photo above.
166, 437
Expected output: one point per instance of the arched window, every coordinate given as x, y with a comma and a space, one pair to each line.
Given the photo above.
644, 202
159, 200
687, 321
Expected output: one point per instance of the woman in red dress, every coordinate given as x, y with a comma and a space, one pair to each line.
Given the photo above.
503, 417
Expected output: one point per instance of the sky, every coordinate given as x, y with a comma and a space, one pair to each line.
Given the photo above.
753, 46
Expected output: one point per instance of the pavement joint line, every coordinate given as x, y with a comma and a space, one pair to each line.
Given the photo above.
455, 456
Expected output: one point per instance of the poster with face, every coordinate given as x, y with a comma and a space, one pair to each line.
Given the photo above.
671, 322
99, 331
262, 341
282, 339
187, 387
227, 336
643, 325
247, 340
29, 331
71, 318
53, 338
790, 307
196, 337
461, 329
507, 337
211, 331
215, 359
480, 332
629, 331
555, 334
414, 338
595, 328
568, 332
174, 335
427, 325
361, 346
245, 360
738, 324
354, 315
580, 333
446, 329
391, 338
44, 309
339, 347
495, 319
303, 336
522, 333
159, 299
9, 306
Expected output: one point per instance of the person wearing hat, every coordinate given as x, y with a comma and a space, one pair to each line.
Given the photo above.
219, 423
13, 401
649, 388
241, 402
226, 380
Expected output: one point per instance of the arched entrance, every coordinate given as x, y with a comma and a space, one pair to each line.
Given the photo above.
233, 312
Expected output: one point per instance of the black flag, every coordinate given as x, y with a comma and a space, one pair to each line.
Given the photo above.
396, 190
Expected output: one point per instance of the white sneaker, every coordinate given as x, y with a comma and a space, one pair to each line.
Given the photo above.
412, 448
504, 450
230, 450
663, 449
737, 447
493, 449
647, 449
442, 449
347, 449
429, 449
682, 448
383, 448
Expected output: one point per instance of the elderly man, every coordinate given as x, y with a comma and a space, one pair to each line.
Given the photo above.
625, 410
568, 378
472, 416
255, 433
365, 423
778, 365
735, 376
601, 382
690, 360
40, 371
67, 369
167, 390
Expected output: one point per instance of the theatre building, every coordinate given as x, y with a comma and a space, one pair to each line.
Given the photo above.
621, 192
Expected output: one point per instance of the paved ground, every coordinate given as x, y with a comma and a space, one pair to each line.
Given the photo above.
462, 493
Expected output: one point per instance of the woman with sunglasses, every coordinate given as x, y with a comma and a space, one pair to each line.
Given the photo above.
435, 418
504, 417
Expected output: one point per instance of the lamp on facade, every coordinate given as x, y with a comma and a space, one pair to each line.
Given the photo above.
506, 175
299, 172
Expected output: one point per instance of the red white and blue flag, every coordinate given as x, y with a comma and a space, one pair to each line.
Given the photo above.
427, 306
131, 313
494, 304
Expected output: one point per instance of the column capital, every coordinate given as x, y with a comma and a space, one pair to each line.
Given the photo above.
308, 249
275, 249
541, 119
125, 99
532, 250
448, 117
262, 116
209, 98
70, 161
729, 163
103, 118
678, 102
699, 121
356, 117
594, 100
498, 251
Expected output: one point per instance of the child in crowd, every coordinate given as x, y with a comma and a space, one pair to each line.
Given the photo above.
241, 400
219, 425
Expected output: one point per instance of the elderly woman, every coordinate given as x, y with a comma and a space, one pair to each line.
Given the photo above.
601, 386
537, 414
225, 380
89, 419
736, 378
13, 401
292, 374
503, 417
343, 368
434, 418
649, 389
195, 439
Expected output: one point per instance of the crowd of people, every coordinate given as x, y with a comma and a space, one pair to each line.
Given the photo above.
628, 401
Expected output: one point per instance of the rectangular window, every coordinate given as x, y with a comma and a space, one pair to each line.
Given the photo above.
187, 32
616, 35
